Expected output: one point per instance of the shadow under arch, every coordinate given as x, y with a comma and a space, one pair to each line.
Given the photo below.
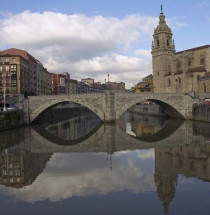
171, 111
167, 103
168, 129
48, 112
53, 139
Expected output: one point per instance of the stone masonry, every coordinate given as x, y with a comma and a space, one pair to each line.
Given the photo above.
110, 105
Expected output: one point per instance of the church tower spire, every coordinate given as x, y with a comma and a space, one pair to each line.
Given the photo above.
162, 16
162, 50
163, 35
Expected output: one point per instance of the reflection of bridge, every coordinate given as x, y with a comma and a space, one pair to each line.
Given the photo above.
109, 106
110, 138
180, 148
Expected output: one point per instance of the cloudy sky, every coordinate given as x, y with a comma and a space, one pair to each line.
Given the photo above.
94, 38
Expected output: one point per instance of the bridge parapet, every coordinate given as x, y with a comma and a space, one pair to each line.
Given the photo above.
110, 105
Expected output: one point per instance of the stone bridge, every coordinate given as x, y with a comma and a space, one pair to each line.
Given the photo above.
110, 105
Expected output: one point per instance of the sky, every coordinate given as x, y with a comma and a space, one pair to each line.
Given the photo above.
94, 38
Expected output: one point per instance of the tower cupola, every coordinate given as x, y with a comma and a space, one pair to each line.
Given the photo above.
162, 35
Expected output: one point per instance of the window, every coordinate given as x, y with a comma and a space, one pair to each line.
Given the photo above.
189, 62
7, 60
13, 67
13, 74
17, 172
202, 61
167, 43
0, 60
178, 65
7, 68
1, 68
13, 59
179, 80
14, 88
4, 172
158, 43
204, 87
169, 82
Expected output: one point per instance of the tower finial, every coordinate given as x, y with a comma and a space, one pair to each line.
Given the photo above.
161, 7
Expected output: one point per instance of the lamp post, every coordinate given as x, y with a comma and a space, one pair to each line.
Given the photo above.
4, 109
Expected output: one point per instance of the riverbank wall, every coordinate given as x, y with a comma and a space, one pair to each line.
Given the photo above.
201, 113
148, 109
11, 119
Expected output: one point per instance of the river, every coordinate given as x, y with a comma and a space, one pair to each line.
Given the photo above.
140, 165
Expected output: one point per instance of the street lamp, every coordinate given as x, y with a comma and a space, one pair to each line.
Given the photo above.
4, 109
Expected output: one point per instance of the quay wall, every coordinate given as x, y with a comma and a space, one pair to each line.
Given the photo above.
148, 109
10, 120
201, 113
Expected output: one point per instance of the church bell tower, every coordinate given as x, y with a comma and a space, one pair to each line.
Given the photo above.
163, 53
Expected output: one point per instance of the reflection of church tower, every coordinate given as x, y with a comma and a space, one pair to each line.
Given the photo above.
165, 177
163, 52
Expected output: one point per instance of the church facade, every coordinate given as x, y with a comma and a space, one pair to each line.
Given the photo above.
178, 72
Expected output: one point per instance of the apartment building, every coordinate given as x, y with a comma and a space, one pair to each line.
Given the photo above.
21, 73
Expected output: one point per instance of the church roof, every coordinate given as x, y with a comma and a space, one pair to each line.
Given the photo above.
194, 49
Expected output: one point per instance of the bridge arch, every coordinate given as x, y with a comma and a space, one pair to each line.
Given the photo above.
38, 105
169, 104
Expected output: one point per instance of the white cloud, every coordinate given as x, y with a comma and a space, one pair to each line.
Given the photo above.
83, 46
173, 23
143, 53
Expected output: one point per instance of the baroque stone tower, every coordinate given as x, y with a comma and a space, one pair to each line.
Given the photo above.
163, 54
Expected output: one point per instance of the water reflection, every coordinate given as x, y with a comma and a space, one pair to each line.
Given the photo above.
20, 168
70, 131
106, 163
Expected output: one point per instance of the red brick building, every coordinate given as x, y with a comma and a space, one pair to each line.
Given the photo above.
17, 72
58, 83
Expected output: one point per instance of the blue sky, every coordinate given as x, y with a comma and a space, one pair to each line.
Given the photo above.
100, 37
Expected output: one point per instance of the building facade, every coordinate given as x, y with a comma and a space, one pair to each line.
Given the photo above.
58, 83
117, 87
178, 72
21, 73
43, 80
145, 86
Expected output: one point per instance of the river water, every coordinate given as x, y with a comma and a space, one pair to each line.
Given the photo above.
140, 165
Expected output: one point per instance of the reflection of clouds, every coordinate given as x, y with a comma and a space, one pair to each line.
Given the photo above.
74, 174
146, 154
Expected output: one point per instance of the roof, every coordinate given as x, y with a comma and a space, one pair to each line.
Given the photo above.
196, 69
194, 49
178, 72
17, 52
149, 76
